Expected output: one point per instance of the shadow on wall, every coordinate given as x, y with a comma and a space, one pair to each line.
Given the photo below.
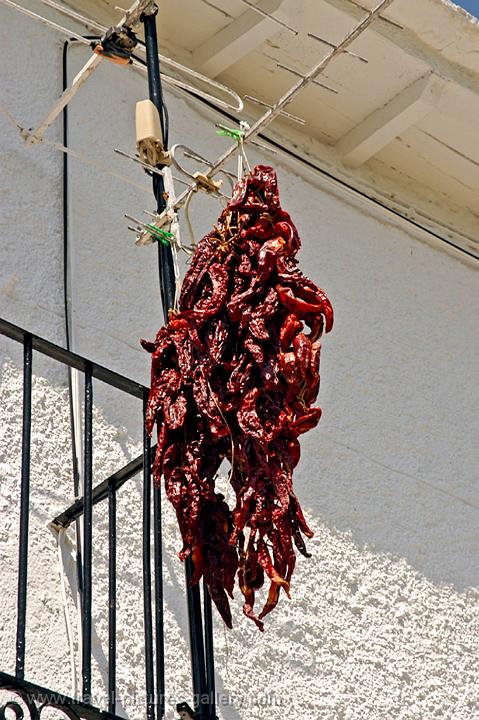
363, 629
394, 458
391, 511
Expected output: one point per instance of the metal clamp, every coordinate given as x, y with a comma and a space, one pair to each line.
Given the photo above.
116, 45
185, 712
205, 183
201, 180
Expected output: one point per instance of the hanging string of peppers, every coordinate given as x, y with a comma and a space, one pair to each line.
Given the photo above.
234, 375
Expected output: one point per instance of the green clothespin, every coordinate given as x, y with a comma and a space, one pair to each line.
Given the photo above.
162, 235
230, 132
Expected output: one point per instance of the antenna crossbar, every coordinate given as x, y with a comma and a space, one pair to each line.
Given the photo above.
130, 18
302, 82
234, 104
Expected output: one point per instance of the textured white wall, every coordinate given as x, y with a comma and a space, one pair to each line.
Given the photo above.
384, 619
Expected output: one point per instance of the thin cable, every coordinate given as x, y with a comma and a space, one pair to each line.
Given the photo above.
243, 153
176, 267
175, 242
289, 153
186, 211
201, 97
10, 118
93, 163
73, 375
166, 124
67, 295
73, 379
370, 198
78, 156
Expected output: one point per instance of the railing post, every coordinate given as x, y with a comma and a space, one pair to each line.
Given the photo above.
209, 652
159, 615
87, 537
111, 598
195, 625
24, 506
150, 688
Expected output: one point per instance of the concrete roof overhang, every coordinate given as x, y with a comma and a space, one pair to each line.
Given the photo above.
402, 128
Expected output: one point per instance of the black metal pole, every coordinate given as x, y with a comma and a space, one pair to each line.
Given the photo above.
24, 507
87, 537
167, 289
111, 598
148, 628
165, 258
159, 619
198, 669
209, 652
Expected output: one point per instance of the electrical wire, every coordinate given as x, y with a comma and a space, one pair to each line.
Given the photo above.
288, 153
73, 381
72, 375
67, 306
166, 123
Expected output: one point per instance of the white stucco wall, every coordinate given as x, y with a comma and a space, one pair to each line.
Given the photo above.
384, 618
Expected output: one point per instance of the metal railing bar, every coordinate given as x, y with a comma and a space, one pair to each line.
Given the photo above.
195, 624
110, 377
100, 492
159, 614
87, 537
24, 507
209, 651
148, 626
111, 598
40, 693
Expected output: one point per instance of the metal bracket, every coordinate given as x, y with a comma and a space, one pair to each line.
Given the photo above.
185, 712
200, 180
116, 46
131, 17
207, 184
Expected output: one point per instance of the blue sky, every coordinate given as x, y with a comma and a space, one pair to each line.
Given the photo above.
471, 6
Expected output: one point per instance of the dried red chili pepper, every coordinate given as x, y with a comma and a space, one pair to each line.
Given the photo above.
234, 375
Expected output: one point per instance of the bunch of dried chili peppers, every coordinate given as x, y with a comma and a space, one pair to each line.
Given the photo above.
234, 375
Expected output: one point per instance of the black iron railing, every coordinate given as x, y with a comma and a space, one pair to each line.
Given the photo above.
200, 625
